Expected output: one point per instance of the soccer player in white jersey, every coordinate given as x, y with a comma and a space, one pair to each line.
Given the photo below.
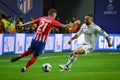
90, 31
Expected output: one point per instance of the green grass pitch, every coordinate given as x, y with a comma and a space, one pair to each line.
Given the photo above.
94, 66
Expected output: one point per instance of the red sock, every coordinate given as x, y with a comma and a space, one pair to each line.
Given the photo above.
31, 61
26, 53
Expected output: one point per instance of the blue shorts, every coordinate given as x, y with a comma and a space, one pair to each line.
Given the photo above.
37, 47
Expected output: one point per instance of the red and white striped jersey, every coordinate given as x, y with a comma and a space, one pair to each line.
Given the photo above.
45, 24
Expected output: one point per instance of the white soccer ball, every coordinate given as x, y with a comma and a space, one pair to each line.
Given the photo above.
46, 67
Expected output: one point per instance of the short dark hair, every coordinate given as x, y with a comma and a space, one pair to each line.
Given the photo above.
52, 11
91, 15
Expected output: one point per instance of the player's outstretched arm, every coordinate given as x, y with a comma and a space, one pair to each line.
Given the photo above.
26, 24
77, 22
68, 25
74, 37
108, 41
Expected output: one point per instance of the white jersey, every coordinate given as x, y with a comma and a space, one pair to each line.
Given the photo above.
90, 32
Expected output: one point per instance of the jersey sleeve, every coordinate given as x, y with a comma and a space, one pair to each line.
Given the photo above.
80, 30
101, 31
36, 20
57, 24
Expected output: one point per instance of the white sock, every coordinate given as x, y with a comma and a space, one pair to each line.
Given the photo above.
71, 59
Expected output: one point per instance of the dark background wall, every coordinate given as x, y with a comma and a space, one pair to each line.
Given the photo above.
107, 15
68, 8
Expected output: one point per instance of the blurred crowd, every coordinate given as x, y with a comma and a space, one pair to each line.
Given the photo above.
9, 25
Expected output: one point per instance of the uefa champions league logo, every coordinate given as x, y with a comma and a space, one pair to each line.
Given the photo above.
110, 8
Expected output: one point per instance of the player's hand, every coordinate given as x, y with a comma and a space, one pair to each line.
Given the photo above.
70, 41
77, 22
19, 25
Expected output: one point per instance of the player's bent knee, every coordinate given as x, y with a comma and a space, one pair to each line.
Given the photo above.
81, 51
76, 52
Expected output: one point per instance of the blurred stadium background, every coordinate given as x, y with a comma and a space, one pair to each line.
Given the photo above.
106, 15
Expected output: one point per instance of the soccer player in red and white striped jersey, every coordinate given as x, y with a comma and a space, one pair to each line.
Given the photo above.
45, 24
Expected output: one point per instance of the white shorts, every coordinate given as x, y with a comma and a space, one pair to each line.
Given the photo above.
87, 48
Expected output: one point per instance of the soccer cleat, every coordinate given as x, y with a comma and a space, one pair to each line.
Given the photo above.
64, 67
23, 69
15, 59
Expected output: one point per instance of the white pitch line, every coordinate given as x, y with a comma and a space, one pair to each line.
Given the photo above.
38, 58
114, 53
57, 57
